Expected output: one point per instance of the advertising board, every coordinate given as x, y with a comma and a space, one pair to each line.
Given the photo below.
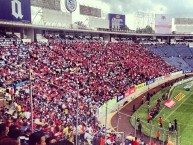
15, 10
116, 21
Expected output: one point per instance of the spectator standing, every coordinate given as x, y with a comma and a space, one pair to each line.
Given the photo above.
83, 131
166, 96
96, 140
157, 135
142, 100
9, 99
175, 125
37, 138
3, 131
138, 119
108, 141
148, 106
118, 141
139, 128
9, 141
102, 140
134, 108
51, 140
70, 135
170, 126
14, 132
135, 142
88, 137
127, 142
160, 121
142, 140
148, 117
163, 96
148, 98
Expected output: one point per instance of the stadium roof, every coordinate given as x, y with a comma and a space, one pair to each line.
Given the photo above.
26, 25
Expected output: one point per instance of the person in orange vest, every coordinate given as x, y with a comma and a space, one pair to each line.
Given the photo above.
148, 117
160, 121
158, 135
102, 140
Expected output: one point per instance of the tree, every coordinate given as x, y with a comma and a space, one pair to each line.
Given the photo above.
80, 24
138, 30
147, 29
126, 27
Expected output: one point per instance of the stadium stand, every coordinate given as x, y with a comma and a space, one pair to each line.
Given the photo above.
4, 35
179, 55
183, 51
178, 63
98, 70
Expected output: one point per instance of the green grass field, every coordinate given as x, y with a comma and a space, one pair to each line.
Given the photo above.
182, 111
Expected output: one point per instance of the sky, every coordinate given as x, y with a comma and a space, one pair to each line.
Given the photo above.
179, 8
133, 9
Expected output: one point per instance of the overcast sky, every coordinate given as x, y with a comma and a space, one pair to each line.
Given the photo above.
178, 8
175, 8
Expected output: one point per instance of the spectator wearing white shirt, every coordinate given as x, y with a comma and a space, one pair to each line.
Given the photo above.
89, 129
88, 137
108, 141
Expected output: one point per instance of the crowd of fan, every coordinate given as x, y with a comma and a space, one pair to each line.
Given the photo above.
71, 77
4, 35
47, 36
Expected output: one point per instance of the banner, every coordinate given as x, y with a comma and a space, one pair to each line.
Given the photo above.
163, 24
187, 71
119, 98
15, 10
159, 78
140, 86
180, 96
9, 41
167, 76
129, 91
177, 73
150, 82
169, 103
20, 84
132, 90
116, 21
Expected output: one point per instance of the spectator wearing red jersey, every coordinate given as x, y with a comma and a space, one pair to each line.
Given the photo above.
135, 142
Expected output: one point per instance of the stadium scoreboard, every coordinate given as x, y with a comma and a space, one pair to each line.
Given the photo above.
90, 11
183, 21
49, 4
